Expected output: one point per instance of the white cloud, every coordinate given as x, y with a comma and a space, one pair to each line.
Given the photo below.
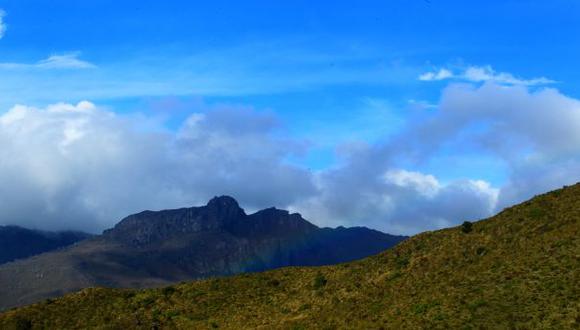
486, 73
483, 74
62, 61
426, 185
394, 200
536, 134
81, 167
518, 121
442, 74
65, 61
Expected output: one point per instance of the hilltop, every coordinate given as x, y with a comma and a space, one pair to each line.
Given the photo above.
518, 269
158, 248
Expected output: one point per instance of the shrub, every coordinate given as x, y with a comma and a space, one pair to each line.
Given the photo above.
467, 227
21, 323
420, 308
536, 213
319, 281
147, 301
168, 291
402, 261
274, 283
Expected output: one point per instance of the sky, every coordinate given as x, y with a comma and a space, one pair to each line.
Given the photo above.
403, 116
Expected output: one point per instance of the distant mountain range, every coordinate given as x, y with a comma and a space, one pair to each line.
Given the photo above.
517, 270
151, 249
19, 243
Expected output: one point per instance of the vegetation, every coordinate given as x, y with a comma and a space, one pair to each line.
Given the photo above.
466, 227
320, 281
517, 270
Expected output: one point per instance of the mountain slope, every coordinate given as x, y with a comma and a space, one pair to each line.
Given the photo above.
517, 270
19, 243
151, 249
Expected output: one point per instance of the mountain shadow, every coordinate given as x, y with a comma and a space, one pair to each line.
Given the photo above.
19, 243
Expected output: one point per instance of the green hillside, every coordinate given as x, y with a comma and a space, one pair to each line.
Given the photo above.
517, 270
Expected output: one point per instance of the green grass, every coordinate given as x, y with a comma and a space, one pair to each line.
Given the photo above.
517, 270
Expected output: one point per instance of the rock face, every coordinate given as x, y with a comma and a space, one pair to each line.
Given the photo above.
149, 227
156, 248
19, 243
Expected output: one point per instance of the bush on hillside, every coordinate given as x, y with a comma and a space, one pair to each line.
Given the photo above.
319, 281
467, 227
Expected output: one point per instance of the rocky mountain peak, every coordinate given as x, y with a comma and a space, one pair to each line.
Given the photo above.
224, 209
221, 213
224, 201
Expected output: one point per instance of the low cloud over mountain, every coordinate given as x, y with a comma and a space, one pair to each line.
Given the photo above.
84, 167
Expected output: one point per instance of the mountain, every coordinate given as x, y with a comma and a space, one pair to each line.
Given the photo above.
516, 270
152, 249
19, 243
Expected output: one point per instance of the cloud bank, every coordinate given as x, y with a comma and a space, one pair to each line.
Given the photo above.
78, 166
535, 134
84, 167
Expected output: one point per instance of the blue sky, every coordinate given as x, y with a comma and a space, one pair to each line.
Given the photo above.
334, 77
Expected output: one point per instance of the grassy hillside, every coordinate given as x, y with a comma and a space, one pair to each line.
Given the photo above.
517, 270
